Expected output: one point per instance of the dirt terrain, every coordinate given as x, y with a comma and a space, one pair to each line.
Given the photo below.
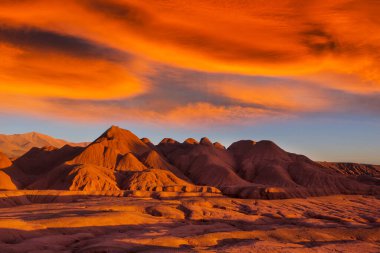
64, 221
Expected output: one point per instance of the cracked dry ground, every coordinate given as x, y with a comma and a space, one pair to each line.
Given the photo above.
198, 224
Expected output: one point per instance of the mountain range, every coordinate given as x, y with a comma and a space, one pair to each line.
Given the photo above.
118, 160
15, 145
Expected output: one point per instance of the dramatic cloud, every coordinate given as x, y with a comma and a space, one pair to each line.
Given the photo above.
189, 61
284, 97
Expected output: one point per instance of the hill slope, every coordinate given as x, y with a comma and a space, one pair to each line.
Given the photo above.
267, 164
202, 163
77, 178
4, 161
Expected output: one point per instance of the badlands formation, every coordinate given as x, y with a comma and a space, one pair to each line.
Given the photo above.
125, 194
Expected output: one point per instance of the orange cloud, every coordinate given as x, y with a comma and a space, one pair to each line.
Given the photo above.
63, 76
251, 37
290, 98
207, 114
101, 50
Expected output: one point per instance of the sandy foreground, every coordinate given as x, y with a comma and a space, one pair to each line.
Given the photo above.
73, 222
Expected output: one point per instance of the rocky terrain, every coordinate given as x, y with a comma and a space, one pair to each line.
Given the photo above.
79, 222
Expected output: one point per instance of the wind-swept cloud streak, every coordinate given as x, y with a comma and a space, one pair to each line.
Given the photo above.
179, 61
43, 63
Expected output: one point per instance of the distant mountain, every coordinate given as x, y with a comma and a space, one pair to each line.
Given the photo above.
366, 173
119, 160
15, 145
355, 169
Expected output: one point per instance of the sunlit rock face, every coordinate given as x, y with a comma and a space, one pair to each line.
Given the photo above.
4, 161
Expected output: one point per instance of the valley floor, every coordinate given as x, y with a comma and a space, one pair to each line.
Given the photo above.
85, 223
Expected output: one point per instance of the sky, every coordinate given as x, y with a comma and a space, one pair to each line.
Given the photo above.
304, 74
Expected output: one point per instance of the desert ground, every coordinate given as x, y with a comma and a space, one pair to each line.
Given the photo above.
66, 221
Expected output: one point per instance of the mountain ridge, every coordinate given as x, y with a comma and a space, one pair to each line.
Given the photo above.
15, 145
119, 160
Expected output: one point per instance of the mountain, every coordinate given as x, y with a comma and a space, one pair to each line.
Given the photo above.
121, 150
15, 145
265, 163
202, 162
252, 169
353, 168
37, 162
119, 160
40, 160
365, 173
107, 150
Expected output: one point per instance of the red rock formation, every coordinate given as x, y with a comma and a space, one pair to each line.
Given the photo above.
154, 160
7, 182
4, 161
77, 178
153, 179
191, 141
264, 163
40, 160
148, 142
120, 160
168, 140
218, 145
205, 141
110, 146
202, 163
129, 162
